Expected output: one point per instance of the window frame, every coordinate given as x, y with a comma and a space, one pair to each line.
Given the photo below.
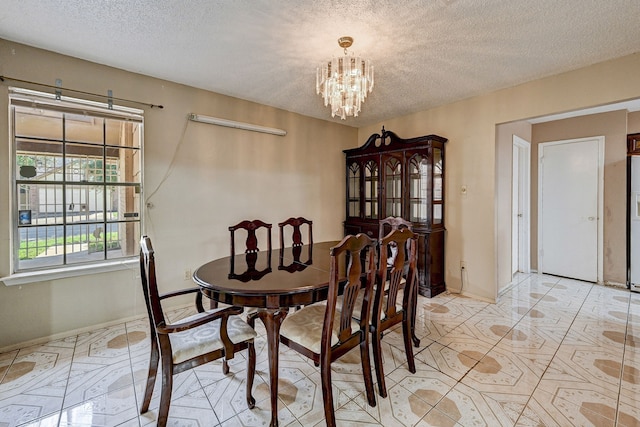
62, 104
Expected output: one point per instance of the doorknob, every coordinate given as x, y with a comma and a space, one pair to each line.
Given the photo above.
591, 218
519, 215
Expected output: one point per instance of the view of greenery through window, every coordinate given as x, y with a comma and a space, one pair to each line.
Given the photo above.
77, 185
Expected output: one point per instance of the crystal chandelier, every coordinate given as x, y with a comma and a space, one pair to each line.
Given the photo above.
344, 82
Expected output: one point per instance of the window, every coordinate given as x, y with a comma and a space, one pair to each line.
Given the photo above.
76, 181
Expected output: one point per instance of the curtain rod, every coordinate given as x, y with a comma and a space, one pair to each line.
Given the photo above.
58, 88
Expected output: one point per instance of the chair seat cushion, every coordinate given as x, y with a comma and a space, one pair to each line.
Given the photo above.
305, 327
206, 338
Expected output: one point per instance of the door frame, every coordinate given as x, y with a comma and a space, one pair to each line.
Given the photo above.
521, 185
600, 200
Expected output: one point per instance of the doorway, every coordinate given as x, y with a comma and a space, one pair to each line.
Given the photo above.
570, 208
520, 196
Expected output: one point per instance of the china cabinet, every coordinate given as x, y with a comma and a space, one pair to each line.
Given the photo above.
392, 176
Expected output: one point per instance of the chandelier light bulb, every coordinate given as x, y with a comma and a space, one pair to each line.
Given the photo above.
343, 82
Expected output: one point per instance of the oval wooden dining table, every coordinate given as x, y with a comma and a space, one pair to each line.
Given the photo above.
272, 282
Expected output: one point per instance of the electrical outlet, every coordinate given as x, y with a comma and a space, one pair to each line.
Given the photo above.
187, 274
463, 264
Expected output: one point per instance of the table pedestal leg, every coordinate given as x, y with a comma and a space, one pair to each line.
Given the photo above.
272, 319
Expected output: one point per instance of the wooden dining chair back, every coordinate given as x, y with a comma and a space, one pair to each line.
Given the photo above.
388, 310
296, 233
391, 223
190, 342
251, 242
386, 226
296, 243
323, 333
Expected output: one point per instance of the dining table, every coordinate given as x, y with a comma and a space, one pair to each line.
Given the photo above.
272, 282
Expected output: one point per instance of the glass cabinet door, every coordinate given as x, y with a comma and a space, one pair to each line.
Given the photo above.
418, 188
393, 187
438, 176
353, 190
371, 179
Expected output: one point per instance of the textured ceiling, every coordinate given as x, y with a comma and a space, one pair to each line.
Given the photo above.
426, 53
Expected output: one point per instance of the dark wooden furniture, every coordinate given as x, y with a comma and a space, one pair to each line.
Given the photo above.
391, 176
401, 274
324, 333
388, 225
251, 243
391, 223
273, 294
633, 144
190, 342
251, 248
296, 234
296, 225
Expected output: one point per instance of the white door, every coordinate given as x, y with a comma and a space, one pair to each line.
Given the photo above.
634, 206
515, 211
569, 208
520, 194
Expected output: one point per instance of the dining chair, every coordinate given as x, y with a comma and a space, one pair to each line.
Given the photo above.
251, 242
324, 334
251, 250
391, 223
387, 225
296, 225
388, 311
296, 234
191, 341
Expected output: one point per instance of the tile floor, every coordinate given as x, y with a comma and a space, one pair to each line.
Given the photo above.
551, 352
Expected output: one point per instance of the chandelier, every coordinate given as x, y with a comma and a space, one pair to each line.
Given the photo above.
344, 82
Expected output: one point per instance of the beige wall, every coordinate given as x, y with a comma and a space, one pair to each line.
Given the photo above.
504, 172
470, 126
613, 126
300, 174
200, 178
633, 122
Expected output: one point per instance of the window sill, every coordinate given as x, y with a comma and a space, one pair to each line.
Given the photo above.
65, 272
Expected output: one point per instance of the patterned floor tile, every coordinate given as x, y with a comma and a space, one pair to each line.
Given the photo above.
550, 352
628, 414
110, 409
561, 409
427, 384
469, 407
447, 360
228, 396
22, 409
502, 372
436, 418
48, 421
191, 410
599, 366
6, 359
87, 381
529, 339
463, 340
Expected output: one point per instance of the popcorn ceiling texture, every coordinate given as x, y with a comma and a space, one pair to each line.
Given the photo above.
426, 53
